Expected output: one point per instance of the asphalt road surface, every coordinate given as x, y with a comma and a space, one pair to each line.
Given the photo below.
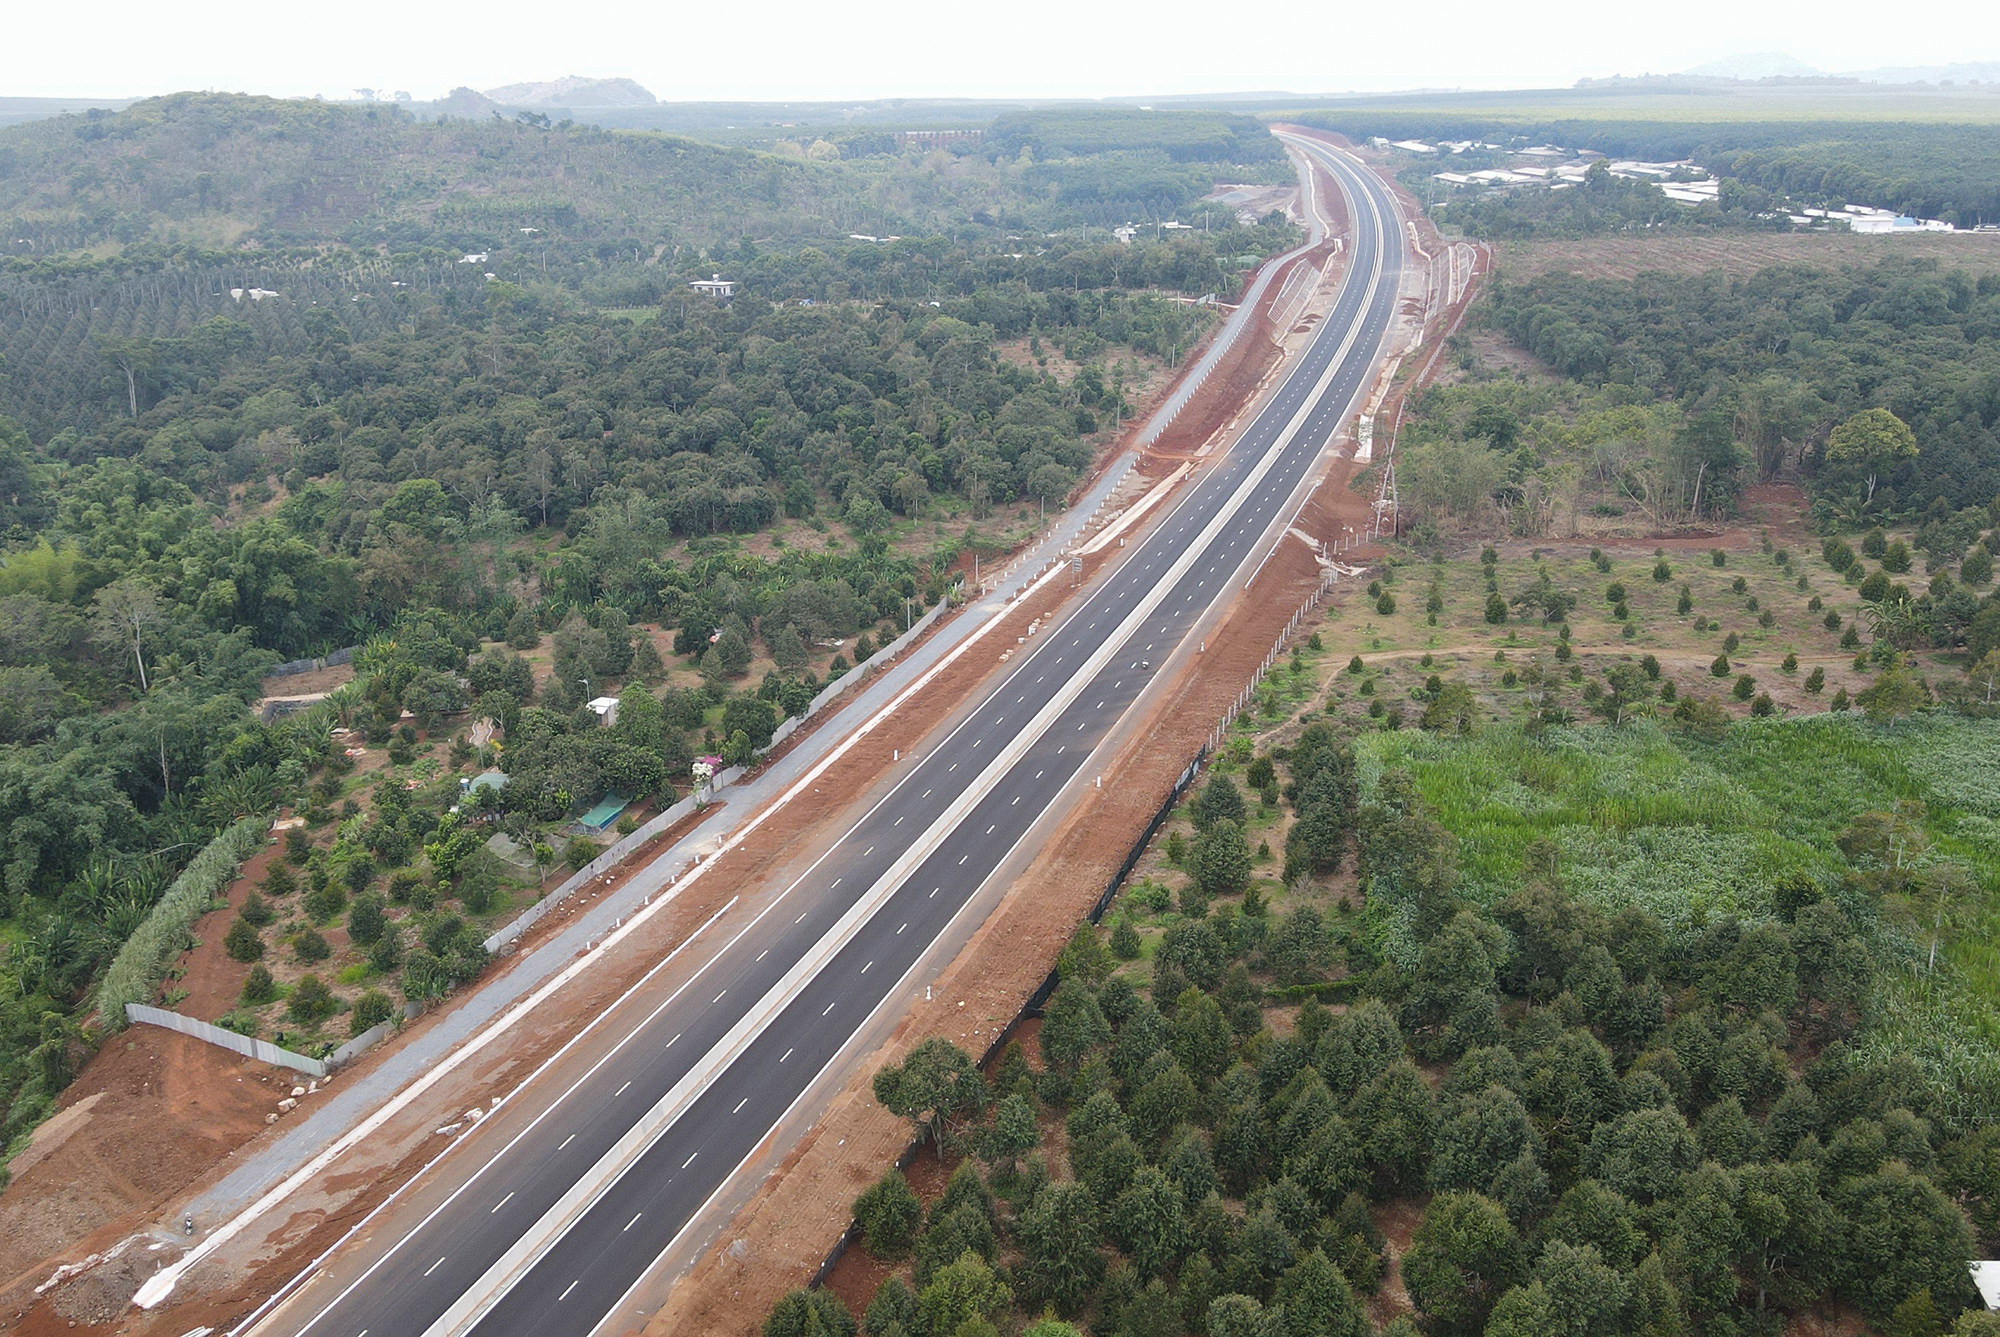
547, 1237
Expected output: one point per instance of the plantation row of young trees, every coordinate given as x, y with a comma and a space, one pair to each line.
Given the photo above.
1606, 1126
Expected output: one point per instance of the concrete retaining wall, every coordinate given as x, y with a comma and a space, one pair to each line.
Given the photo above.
261, 1050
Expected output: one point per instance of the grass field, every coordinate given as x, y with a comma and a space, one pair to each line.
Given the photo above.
1625, 256
1692, 828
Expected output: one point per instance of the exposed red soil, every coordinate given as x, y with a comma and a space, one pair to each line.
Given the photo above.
158, 1112
211, 980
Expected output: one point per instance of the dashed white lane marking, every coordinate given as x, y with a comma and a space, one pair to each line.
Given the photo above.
566, 1141
567, 1289
434, 1267
621, 1090
670, 1043
740, 1104
906, 924
719, 997
635, 1219
689, 1161
829, 1009
782, 1057
502, 1203
899, 820
864, 969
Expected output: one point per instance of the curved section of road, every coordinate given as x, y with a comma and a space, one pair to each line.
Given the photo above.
549, 1234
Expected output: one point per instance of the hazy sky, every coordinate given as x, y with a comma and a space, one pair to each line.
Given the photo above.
875, 48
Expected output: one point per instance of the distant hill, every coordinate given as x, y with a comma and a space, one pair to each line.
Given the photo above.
1965, 72
228, 171
1761, 65
574, 91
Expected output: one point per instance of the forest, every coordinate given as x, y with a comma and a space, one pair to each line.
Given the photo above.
1948, 170
456, 406
1662, 382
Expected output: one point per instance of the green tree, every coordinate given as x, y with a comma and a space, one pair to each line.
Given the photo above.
1219, 800
1061, 1259
1869, 444
1463, 1257
936, 1087
889, 1213
804, 1313
1895, 693
1149, 1222
1222, 859
963, 1290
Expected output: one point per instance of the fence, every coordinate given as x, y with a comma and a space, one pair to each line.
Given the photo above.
1243, 699
261, 1050
296, 666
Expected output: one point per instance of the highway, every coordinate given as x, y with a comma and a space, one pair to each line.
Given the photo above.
550, 1234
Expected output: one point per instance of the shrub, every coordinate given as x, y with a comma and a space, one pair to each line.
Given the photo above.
1816, 680
311, 1001
1840, 700
325, 901
1386, 605
579, 852
163, 934
1745, 687
1354, 664
1720, 668
371, 1009
1496, 609
1896, 557
1874, 543
1718, 557
259, 987
243, 942
257, 911
1977, 568
1662, 573
364, 920
298, 845
279, 881
1738, 585
1763, 705
310, 946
